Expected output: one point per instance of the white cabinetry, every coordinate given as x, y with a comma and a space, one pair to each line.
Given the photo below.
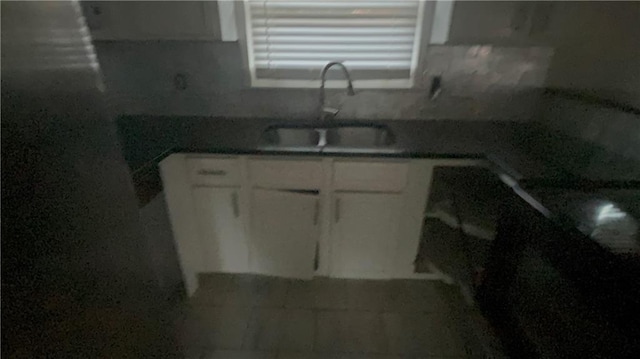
221, 229
364, 234
382, 176
207, 205
297, 217
286, 173
285, 232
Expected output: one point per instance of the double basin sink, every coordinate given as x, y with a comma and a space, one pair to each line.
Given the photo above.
328, 137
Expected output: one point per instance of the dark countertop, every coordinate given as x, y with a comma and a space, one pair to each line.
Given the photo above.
242, 136
523, 152
148, 139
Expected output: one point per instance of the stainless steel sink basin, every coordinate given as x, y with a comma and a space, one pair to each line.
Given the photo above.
291, 137
332, 137
360, 136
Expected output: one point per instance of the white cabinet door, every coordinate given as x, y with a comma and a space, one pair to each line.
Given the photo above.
220, 224
284, 233
364, 234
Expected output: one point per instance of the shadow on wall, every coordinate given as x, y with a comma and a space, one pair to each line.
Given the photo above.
597, 49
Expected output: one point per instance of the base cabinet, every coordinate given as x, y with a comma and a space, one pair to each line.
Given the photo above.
297, 217
285, 232
364, 234
220, 225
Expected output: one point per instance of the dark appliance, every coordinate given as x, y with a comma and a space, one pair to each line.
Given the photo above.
563, 280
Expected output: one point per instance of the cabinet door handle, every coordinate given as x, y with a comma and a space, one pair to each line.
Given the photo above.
337, 211
204, 172
316, 258
316, 213
234, 204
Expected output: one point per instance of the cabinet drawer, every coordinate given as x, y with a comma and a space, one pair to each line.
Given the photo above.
213, 171
370, 176
290, 174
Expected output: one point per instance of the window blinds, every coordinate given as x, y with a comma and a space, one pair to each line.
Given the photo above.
290, 41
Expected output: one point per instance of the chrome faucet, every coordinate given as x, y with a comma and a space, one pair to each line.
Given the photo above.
326, 113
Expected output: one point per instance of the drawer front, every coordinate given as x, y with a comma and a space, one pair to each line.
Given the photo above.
286, 174
214, 171
370, 176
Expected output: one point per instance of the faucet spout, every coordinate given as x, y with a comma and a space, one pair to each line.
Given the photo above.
322, 115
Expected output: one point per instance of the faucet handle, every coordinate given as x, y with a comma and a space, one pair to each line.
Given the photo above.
329, 112
322, 137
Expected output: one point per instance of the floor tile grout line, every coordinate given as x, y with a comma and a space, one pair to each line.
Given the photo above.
286, 295
283, 307
315, 330
384, 333
252, 312
282, 333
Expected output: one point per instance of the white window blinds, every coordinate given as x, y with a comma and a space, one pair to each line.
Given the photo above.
288, 42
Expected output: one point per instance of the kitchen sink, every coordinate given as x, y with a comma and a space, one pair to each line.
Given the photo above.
333, 137
360, 136
288, 137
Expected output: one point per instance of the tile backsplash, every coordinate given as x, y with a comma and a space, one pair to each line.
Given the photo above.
478, 82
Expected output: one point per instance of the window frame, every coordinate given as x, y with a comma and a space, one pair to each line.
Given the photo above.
421, 39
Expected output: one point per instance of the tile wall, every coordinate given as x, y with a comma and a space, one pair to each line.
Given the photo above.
479, 82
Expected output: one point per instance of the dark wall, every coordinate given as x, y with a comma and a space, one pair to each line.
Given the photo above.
76, 281
597, 49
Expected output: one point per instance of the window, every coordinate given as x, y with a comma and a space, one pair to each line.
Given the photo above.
289, 42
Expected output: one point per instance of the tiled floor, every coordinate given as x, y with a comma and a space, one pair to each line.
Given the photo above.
246, 316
